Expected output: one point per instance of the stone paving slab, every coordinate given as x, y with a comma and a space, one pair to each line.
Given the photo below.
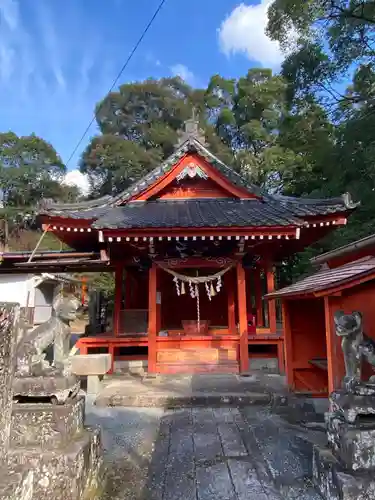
198, 453
192, 390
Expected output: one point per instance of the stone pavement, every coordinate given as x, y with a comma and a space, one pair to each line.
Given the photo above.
199, 453
189, 390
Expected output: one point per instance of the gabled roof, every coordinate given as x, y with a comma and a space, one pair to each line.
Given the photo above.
191, 145
280, 209
327, 279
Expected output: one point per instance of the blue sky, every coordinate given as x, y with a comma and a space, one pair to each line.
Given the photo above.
59, 57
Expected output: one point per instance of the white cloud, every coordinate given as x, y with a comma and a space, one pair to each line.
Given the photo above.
76, 178
243, 31
183, 72
10, 13
52, 81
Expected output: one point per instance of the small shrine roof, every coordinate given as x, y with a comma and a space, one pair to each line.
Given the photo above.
327, 279
366, 244
50, 261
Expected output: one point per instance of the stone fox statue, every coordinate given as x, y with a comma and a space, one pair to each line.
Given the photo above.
56, 331
355, 344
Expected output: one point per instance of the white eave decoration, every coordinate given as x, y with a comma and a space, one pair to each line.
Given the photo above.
192, 170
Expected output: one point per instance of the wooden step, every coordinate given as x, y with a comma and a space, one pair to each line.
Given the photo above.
168, 368
197, 356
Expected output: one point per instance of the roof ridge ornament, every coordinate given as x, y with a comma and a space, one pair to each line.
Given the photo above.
348, 201
191, 131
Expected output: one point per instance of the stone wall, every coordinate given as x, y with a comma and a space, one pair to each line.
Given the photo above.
9, 318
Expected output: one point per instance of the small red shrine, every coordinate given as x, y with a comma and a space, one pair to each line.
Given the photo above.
314, 360
193, 246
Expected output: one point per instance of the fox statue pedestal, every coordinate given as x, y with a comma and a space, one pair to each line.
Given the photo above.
16, 482
345, 470
47, 433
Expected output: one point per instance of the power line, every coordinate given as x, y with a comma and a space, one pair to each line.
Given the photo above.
119, 74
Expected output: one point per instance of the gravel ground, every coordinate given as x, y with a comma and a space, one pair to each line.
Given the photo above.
128, 437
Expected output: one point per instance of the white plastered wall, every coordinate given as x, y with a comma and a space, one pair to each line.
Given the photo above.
18, 288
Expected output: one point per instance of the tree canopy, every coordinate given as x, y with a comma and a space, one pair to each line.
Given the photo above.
332, 62
303, 131
30, 169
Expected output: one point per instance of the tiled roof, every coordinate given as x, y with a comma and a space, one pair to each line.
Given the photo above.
94, 209
328, 278
271, 211
196, 213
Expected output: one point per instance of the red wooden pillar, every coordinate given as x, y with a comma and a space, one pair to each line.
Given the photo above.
288, 344
242, 316
229, 281
271, 302
258, 297
119, 271
152, 318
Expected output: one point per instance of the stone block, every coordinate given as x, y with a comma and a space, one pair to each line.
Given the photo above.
46, 425
353, 446
57, 388
66, 473
93, 384
91, 364
270, 365
334, 483
134, 366
16, 484
325, 468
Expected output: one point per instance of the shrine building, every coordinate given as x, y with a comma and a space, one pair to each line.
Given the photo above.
194, 248
345, 281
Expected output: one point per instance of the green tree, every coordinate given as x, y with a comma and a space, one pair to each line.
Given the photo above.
270, 139
139, 127
30, 169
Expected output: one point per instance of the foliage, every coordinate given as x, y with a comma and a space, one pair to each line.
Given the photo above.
306, 131
332, 64
30, 169
139, 126
245, 124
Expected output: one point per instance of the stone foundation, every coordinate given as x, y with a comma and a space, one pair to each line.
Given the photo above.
51, 440
46, 425
334, 483
345, 469
16, 484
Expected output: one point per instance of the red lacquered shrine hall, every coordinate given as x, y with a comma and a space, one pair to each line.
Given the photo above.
194, 246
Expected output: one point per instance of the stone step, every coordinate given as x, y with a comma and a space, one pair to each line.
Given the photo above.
46, 425
136, 366
66, 473
201, 399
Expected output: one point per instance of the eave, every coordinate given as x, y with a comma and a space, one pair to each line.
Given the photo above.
328, 282
52, 262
